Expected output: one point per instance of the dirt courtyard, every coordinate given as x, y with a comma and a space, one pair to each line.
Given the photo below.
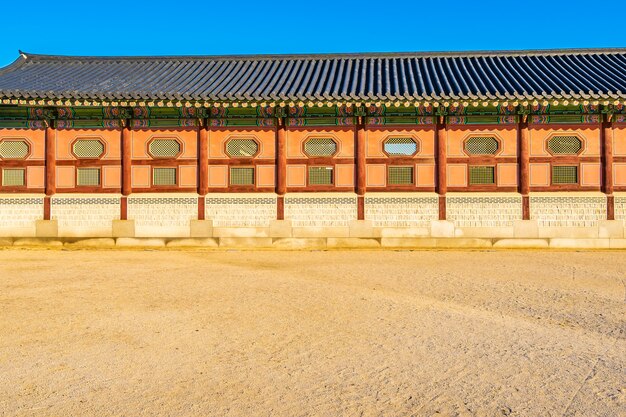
337, 333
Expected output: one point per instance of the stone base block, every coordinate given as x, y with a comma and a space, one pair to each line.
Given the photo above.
280, 228
299, 243
189, 243
128, 242
569, 232
6, 241
37, 242
245, 242
407, 242
563, 243
617, 243
241, 232
611, 229
361, 228
201, 228
123, 228
92, 243
525, 229
441, 228
402, 232
486, 232
521, 243
464, 243
352, 242
46, 228
321, 232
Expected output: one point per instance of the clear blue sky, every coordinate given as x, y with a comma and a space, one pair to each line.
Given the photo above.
253, 27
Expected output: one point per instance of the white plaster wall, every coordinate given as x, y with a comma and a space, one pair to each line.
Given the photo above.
80, 215
18, 214
240, 210
483, 209
567, 209
401, 209
162, 215
320, 209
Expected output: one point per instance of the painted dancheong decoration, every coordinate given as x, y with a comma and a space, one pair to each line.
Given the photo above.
477, 144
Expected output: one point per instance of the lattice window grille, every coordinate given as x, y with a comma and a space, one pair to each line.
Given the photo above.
88, 177
13, 149
400, 146
400, 175
13, 177
241, 148
320, 175
481, 175
164, 176
565, 145
242, 176
87, 148
564, 174
320, 147
164, 148
481, 145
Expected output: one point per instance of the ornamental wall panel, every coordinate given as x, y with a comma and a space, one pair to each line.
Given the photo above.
85, 215
401, 209
18, 214
35, 137
539, 135
505, 134
167, 215
457, 175
266, 138
539, 175
320, 209
218, 175
619, 139
376, 175
111, 176
567, 209
375, 137
35, 176
111, 138
483, 209
344, 175
140, 176
507, 175
66, 177
620, 207
265, 175
619, 174
426, 174
240, 210
344, 137
590, 174
188, 137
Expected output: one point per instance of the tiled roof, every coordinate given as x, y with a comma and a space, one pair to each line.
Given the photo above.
506, 75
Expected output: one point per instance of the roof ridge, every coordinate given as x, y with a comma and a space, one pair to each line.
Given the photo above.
334, 55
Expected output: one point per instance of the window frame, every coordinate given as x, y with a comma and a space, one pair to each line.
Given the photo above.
156, 157
332, 176
254, 179
564, 184
176, 179
230, 139
309, 138
86, 158
14, 187
493, 165
26, 141
76, 169
418, 146
583, 145
413, 173
482, 155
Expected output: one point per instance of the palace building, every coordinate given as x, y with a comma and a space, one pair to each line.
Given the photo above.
390, 148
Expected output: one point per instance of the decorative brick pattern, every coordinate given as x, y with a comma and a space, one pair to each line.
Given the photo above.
620, 208
570, 211
492, 211
401, 211
16, 213
320, 211
240, 211
84, 213
173, 213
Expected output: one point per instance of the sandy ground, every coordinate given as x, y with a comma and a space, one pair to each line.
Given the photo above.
424, 333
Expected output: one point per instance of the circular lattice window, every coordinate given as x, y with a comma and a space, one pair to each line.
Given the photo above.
481, 145
88, 148
14, 149
242, 148
320, 147
164, 148
565, 145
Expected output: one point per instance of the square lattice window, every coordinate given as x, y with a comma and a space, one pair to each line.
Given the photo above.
242, 176
88, 177
320, 175
164, 176
564, 174
13, 177
400, 175
481, 175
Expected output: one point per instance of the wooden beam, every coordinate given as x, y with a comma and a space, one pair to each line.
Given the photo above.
203, 160
523, 144
442, 157
281, 167
51, 164
360, 168
606, 135
126, 160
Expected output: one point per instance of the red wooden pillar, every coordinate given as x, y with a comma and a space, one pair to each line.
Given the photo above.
360, 168
523, 140
281, 168
203, 166
126, 169
51, 167
442, 184
607, 159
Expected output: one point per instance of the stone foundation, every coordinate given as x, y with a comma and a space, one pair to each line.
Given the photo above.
401, 209
240, 210
18, 214
567, 209
321, 209
162, 215
85, 215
